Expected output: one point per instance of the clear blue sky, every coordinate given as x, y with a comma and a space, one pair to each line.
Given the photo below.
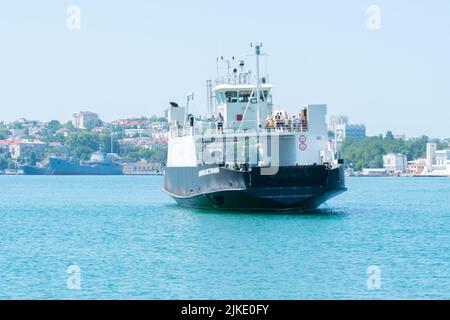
132, 57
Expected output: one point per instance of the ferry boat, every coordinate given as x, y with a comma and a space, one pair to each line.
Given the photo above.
236, 158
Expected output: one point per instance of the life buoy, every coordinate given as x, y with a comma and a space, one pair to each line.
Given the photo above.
302, 146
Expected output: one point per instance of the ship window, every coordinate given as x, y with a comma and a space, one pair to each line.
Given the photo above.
262, 96
231, 96
244, 96
220, 97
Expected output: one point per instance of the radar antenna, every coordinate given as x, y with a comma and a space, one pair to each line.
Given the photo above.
258, 82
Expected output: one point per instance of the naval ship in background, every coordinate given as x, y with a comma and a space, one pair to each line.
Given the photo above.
237, 162
99, 164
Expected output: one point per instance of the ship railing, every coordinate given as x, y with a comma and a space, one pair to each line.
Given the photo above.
232, 127
209, 127
237, 79
287, 127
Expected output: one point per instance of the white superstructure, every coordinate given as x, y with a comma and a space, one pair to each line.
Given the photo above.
245, 103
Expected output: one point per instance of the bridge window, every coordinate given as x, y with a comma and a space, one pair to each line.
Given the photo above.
244, 96
263, 96
220, 97
231, 96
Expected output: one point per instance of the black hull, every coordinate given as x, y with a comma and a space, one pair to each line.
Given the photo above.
291, 188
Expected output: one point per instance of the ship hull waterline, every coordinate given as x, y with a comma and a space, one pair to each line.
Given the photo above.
292, 188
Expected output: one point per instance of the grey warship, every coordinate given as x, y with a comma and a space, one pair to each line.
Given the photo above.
99, 164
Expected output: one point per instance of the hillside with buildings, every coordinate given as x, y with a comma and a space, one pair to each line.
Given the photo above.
140, 140
389, 154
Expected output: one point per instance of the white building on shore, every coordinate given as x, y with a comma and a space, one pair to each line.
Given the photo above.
395, 163
81, 119
416, 167
442, 157
374, 172
24, 149
436, 162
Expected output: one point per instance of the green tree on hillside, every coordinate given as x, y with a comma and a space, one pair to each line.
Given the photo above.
68, 125
53, 126
93, 123
83, 143
156, 154
389, 135
57, 137
4, 133
17, 125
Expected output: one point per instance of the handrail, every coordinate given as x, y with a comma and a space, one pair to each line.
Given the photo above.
208, 127
243, 79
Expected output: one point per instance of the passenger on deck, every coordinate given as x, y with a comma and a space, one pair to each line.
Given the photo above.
211, 120
270, 124
286, 121
219, 121
304, 119
281, 121
295, 123
278, 121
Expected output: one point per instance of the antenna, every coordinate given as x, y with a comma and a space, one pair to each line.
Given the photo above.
258, 81
217, 67
189, 97
228, 62
209, 96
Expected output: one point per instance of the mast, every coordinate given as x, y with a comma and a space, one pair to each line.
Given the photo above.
258, 83
189, 97
209, 96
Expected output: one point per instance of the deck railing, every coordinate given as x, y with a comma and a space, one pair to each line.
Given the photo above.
240, 78
204, 127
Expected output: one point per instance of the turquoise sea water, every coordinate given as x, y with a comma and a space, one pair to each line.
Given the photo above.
131, 241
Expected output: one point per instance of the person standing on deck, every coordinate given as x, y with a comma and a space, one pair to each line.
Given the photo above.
278, 121
304, 119
286, 121
296, 121
219, 121
211, 121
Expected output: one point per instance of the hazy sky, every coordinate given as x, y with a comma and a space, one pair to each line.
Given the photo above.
133, 57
